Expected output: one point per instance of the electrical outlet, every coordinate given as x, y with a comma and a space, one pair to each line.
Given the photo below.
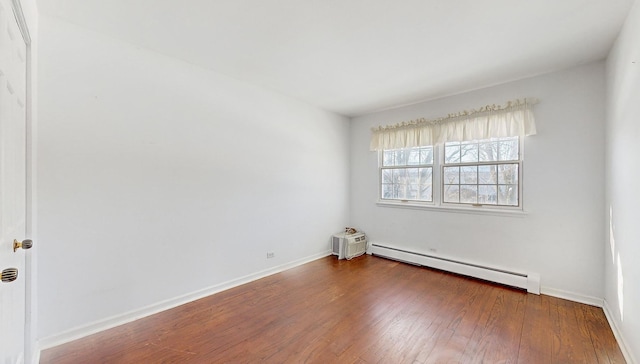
270, 255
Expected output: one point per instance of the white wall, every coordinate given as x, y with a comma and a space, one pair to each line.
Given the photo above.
622, 268
561, 236
158, 179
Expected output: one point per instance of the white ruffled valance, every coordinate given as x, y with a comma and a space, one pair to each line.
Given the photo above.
515, 118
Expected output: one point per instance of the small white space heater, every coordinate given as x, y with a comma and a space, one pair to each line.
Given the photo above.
347, 246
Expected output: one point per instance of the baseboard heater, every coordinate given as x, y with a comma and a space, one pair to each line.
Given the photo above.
528, 281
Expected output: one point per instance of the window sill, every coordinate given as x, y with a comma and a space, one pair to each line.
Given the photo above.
460, 210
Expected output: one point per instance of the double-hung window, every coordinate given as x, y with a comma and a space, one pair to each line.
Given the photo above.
407, 174
485, 172
479, 173
470, 159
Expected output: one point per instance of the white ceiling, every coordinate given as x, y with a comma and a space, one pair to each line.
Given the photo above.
358, 56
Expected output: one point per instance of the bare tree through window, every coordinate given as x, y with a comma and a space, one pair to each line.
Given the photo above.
407, 174
482, 172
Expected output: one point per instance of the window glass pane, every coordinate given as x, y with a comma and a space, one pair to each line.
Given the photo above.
387, 191
451, 174
425, 184
387, 176
401, 191
469, 152
508, 195
469, 174
426, 155
509, 149
388, 158
412, 192
425, 175
451, 193
507, 174
400, 175
452, 153
487, 174
488, 195
488, 151
397, 193
414, 157
394, 176
468, 193
426, 192
412, 175
407, 157
407, 183
401, 157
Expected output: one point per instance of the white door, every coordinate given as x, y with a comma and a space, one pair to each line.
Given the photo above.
12, 184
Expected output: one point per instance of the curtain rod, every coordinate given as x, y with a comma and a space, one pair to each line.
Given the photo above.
484, 109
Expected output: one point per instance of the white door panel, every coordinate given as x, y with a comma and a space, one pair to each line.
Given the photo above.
12, 183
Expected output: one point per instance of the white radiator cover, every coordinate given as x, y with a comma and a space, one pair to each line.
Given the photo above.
528, 281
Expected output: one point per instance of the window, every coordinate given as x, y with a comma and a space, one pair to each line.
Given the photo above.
481, 173
407, 174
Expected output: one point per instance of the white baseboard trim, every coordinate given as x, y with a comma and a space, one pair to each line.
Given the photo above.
572, 296
117, 320
624, 347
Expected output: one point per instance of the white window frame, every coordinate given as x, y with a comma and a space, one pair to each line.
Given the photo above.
431, 166
438, 189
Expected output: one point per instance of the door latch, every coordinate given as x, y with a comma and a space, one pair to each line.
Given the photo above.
25, 244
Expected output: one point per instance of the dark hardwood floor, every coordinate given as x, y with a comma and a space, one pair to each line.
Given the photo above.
367, 310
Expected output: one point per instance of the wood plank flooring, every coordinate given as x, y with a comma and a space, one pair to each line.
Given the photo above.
367, 310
